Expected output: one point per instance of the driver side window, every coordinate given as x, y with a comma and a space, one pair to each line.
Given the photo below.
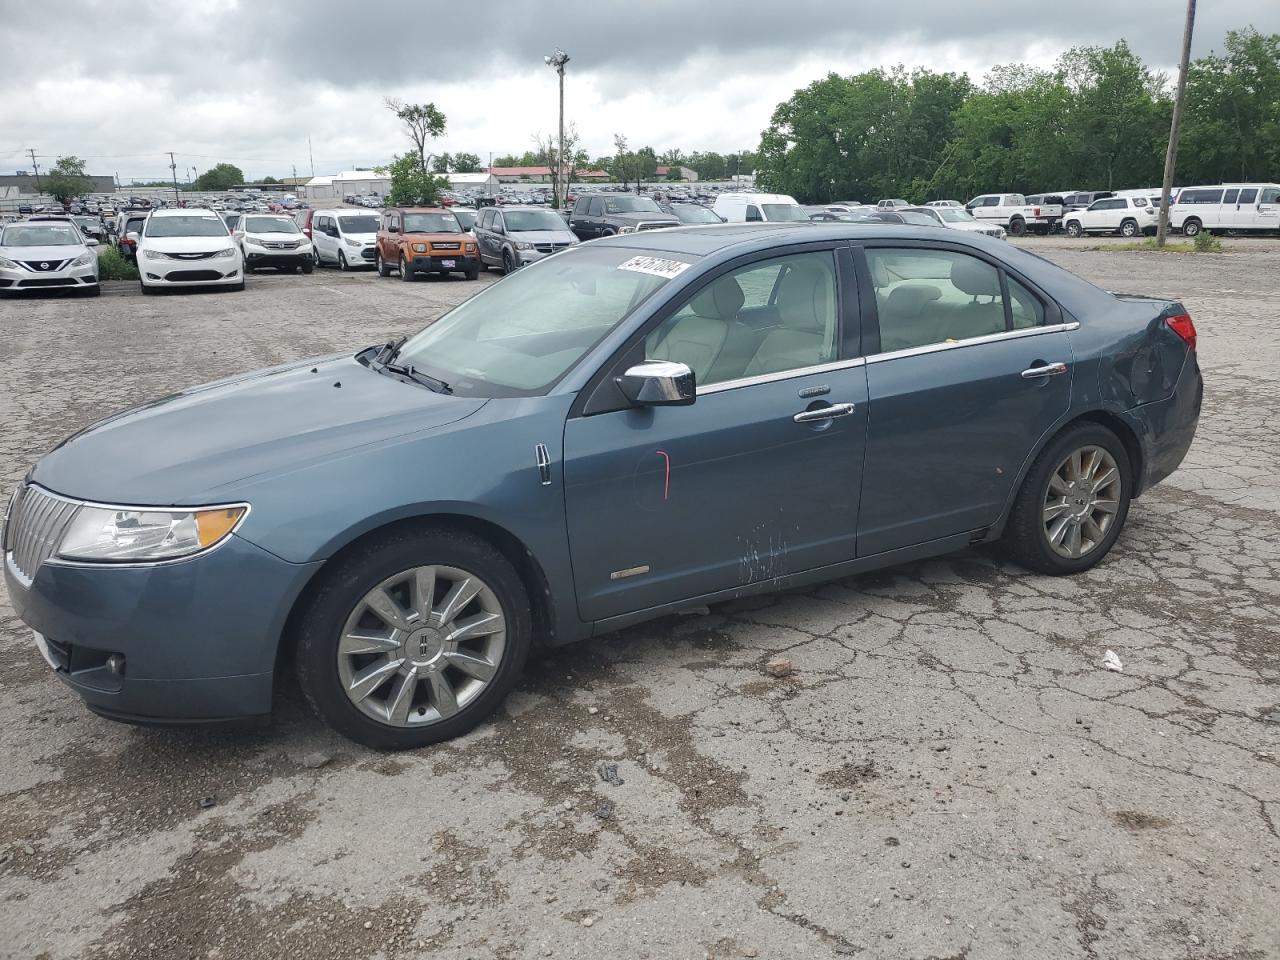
766, 317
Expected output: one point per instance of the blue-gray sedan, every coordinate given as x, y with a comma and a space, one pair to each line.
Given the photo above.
634, 426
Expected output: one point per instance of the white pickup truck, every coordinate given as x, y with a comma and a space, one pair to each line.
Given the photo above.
1010, 210
1047, 210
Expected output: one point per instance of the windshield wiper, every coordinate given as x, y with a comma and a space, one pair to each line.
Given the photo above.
428, 381
388, 351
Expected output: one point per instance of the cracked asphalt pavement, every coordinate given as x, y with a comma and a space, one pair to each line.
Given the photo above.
948, 772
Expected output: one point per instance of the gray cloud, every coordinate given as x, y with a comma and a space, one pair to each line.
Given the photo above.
249, 80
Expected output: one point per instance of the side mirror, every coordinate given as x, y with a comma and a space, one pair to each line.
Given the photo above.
658, 383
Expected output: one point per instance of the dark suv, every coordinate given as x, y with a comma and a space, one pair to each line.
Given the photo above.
604, 214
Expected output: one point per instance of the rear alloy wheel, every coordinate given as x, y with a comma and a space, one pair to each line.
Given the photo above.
1073, 502
1191, 227
405, 273
1129, 228
1073, 228
1017, 227
414, 638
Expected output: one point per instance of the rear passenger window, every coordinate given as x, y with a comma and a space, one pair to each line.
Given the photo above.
925, 297
764, 318
1248, 196
1230, 196
1024, 306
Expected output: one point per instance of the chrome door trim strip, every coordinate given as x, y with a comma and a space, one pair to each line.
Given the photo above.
781, 375
973, 341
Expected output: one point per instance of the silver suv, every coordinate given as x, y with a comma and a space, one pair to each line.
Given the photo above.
509, 237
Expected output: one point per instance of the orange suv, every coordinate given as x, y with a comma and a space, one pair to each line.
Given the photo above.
418, 240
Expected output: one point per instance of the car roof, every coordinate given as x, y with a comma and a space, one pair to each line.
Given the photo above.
516, 206
739, 238
181, 211
419, 209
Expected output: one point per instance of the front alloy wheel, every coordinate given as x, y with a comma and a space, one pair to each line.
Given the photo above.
1073, 228
413, 637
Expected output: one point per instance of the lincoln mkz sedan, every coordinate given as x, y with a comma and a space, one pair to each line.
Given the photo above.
632, 427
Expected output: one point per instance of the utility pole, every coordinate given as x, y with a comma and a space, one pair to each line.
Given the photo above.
1171, 155
36, 167
311, 156
173, 168
556, 61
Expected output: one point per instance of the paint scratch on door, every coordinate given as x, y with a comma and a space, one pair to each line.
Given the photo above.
764, 555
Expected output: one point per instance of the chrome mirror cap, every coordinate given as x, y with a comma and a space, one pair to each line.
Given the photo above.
658, 383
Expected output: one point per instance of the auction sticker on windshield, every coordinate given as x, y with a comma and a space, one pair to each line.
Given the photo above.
655, 266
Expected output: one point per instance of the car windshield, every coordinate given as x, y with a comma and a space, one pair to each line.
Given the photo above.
631, 205
954, 215
39, 235
466, 218
365, 224
270, 225
518, 220
782, 211
919, 219
194, 225
693, 213
520, 336
431, 223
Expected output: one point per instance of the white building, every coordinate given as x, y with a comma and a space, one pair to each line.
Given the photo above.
349, 183
485, 182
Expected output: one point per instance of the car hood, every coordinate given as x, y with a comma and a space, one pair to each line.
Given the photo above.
361, 237
192, 447
185, 244
53, 254
643, 218
544, 236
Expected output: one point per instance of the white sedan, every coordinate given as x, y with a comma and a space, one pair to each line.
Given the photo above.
47, 254
960, 219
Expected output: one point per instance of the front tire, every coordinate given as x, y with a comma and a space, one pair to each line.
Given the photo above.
508, 262
308, 266
383, 270
413, 638
1073, 229
342, 261
1191, 227
405, 273
1073, 502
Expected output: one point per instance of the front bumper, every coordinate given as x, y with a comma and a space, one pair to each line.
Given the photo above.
198, 638
276, 258
68, 278
436, 263
208, 271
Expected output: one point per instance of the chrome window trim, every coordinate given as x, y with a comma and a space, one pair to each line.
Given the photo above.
780, 375
56, 560
973, 341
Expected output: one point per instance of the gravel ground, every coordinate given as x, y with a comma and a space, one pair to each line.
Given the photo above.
948, 772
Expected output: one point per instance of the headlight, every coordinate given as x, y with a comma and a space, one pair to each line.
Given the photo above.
7, 264
521, 245
352, 243
471, 248
84, 260
110, 533
627, 230
154, 254
420, 248
225, 252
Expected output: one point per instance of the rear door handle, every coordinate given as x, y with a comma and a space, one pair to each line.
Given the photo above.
830, 412
1044, 370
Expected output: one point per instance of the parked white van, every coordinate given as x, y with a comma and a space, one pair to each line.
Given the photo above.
751, 207
1227, 206
344, 237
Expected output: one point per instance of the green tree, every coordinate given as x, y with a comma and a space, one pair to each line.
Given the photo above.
268, 180
67, 180
1231, 127
466, 163
441, 163
422, 123
221, 177
411, 185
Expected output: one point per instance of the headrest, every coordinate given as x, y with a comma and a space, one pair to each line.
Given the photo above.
975, 277
909, 301
720, 301
879, 272
804, 297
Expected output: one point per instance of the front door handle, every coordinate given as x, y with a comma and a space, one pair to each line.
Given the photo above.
830, 412
1044, 370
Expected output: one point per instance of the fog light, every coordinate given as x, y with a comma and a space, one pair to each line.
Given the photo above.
115, 664
153, 276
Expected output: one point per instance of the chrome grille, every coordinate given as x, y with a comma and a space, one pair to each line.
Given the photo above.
36, 523
44, 266
549, 247
446, 246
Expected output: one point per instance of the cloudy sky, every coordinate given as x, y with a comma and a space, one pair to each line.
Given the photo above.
249, 81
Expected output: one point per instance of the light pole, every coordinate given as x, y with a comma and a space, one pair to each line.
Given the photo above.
556, 62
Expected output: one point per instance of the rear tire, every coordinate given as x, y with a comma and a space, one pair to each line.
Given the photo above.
1129, 228
1191, 227
375, 569
1017, 227
1071, 506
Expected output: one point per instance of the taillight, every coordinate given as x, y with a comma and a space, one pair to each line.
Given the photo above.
1184, 328
1037, 213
